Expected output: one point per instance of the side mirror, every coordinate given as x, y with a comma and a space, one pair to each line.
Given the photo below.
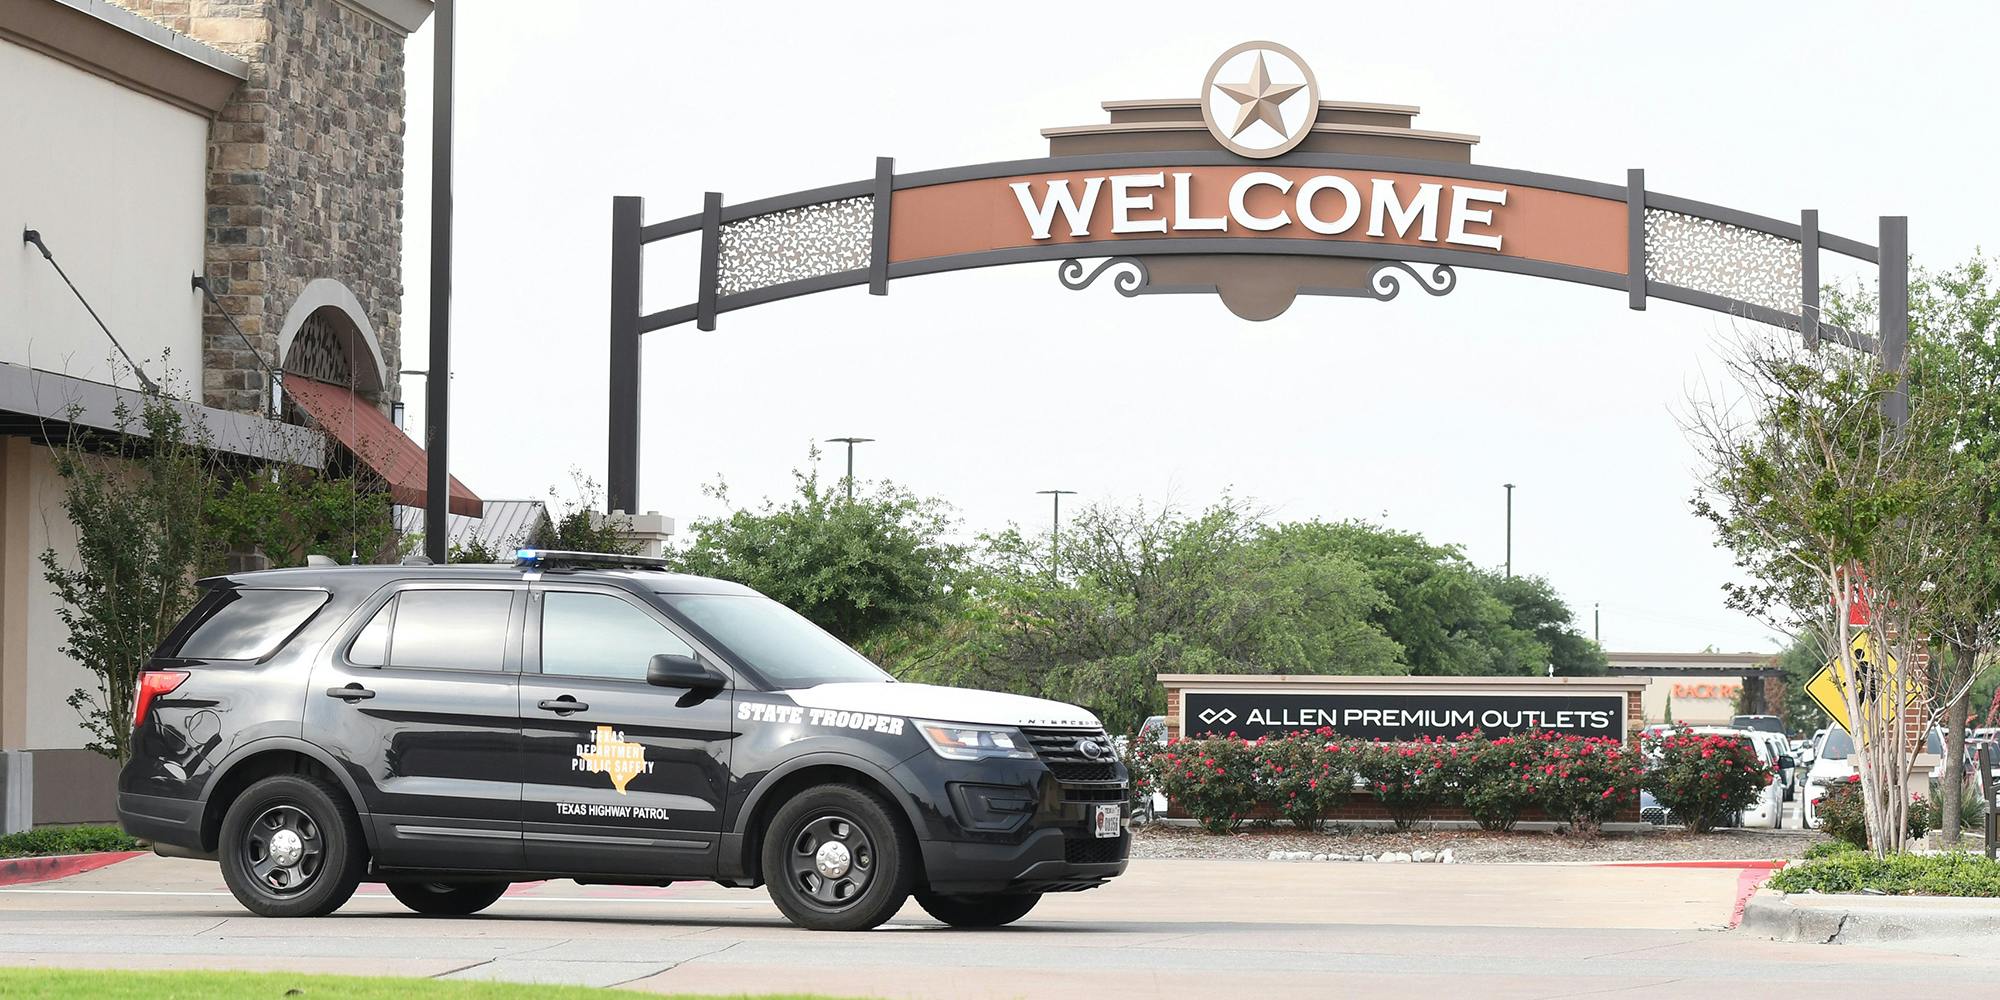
673, 670
1787, 763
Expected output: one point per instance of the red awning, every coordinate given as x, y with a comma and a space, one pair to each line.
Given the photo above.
377, 442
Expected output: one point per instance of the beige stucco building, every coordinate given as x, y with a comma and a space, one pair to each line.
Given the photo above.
254, 144
1702, 689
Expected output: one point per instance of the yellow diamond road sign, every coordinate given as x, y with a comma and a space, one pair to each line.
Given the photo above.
1825, 689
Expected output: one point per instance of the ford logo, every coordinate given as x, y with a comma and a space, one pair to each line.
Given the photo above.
1090, 748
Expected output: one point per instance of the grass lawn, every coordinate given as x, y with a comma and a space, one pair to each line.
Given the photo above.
117, 985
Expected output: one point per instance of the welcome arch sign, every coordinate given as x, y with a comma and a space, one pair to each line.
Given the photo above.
1257, 191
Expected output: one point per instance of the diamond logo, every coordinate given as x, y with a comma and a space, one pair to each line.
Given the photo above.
1215, 715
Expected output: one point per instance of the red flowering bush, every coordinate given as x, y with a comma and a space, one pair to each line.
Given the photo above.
1705, 779
1581, 781
1488, 776
1843, 816
1409, 779
1213, 778
1305, 776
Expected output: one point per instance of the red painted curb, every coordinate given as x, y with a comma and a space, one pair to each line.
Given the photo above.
1757, 865
20, 871
1748, 883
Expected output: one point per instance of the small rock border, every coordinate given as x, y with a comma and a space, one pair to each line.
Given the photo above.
1444, 857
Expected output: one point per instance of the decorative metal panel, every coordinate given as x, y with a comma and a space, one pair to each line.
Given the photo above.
1721, 259
320, 351
798, 243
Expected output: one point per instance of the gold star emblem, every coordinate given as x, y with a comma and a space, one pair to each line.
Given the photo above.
1258, 99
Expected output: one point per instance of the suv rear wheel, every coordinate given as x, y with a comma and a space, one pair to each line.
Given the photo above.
837, 860
989, 909
447, 899
291, 847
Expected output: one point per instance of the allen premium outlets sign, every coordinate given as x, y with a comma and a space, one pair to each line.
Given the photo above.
1401, 708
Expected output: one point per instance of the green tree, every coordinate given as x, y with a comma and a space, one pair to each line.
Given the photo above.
1138, 592
136, 498
1446, 615
1955, 379
861, 569
1830, 506
291, 511
1539, 611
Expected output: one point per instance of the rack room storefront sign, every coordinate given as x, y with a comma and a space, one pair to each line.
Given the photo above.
1401, 708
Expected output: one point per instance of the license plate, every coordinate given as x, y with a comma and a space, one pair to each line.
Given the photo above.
1107, 824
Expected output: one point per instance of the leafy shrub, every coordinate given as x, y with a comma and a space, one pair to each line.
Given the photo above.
1409, 779
1956, 874
1830, 848
65, 840
1213, 778
1843, 815
1489, 778
1305, 776
1705, 779
1582, 781
1841, 812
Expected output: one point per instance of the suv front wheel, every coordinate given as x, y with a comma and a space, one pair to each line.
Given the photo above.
291, 847
836, 860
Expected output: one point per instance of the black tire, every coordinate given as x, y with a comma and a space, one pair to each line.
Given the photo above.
983, 910
873, 868
447, 899
325, 847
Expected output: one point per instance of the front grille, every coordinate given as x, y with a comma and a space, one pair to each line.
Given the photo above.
1096, 850
1082, 793
1058, 749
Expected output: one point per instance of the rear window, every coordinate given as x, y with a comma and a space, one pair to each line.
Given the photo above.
240, 624
437, 629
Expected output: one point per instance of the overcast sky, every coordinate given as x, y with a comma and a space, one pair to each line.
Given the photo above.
986, 386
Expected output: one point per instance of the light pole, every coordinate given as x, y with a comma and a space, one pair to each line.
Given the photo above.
850, 442
437, 391
1055, 524
1510, 529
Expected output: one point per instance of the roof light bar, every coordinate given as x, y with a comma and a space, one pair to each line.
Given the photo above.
558, 559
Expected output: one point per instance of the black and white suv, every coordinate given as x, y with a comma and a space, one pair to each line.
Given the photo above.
449, 730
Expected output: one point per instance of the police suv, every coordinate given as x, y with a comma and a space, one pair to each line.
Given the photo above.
448, 730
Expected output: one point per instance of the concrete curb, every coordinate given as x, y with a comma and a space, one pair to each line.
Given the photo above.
22, 871
1845, 919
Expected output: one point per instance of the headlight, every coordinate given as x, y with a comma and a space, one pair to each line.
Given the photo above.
975, 742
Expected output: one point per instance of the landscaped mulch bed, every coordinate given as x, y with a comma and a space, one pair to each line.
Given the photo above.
1172, 841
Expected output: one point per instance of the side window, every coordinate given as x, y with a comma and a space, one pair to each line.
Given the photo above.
371, 647
238, 624
443, 629
598, 635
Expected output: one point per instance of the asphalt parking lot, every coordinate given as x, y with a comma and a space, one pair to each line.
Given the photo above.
1167, 929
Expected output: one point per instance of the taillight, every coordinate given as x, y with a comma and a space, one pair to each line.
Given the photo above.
152, 684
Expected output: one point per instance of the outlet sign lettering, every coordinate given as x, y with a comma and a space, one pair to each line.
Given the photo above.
1400, 715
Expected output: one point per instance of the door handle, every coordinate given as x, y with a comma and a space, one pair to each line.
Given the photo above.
350, 694
563, 705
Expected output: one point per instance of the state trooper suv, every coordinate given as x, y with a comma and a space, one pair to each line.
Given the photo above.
448, 730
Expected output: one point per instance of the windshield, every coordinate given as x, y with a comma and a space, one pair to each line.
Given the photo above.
1838, 746
785, 649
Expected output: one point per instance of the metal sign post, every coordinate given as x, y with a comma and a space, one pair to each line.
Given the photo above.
1991, 788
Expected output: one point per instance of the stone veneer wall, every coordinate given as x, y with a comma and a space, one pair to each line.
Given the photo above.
305, 174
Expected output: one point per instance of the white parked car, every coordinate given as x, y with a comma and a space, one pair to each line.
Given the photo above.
1833, 760
1769, 812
